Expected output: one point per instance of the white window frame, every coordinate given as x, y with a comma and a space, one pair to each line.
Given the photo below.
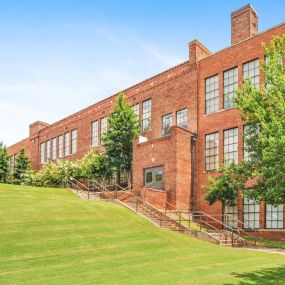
231, 146
212, 94
166, 124
60, 146
251, 70
54, 152
42, 153
95, 133
67, 144
212, 151
182, 118
146, 115
230, 85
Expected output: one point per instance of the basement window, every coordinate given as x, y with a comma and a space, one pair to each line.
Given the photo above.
153, 177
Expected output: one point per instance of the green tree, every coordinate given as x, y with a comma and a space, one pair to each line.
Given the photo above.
96, 165
4, 163
21, 166
264, 110
123, 128
225, 188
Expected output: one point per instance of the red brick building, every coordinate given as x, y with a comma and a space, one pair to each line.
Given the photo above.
189, 126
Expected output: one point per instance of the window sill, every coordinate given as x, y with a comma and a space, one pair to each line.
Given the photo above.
219, 111
145, 132
156, 190
211, 171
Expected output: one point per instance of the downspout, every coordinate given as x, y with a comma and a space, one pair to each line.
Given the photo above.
192, 190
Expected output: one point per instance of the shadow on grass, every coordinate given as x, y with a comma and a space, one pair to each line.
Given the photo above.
269, 276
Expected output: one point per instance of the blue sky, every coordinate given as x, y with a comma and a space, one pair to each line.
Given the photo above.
59, 56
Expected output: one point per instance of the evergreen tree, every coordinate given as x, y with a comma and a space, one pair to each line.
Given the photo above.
4, 163
123, 127
21, 166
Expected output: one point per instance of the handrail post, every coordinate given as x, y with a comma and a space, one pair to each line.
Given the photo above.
160, 222
165, 207
232, 238
179, 220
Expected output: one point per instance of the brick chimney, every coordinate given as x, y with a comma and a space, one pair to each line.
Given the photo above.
244, 23
197, 51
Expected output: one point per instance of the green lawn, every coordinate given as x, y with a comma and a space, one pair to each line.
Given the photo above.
269, 243
50, 236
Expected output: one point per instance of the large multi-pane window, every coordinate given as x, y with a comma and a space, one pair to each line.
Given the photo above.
231, 216
136, 110
166, 124
146, 115
212, 95
250, 213
53, 152
60, 146
231, 146
182, 118
230, 85
212, 151
66, 144
95, 134
274, 216
48, 150
104, 127
153, 177
42, 151
73, 141
251, 70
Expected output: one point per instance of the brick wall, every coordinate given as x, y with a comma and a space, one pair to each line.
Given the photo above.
182, 86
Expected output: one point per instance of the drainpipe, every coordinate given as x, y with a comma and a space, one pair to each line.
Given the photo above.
192, 190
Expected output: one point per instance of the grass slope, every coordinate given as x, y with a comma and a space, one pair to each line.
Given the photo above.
49, 236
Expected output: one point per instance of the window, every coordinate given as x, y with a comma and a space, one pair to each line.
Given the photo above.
154, 177
231, 146
136, 110
66, 144
212, 151
231, 216
274, 216
166, 124
48, 151
53, 156
73, 141
42, 151
250, 213
212, 94
251, 70
146, 115
60, 146
104, 127
230, 84
182, 118
95, 134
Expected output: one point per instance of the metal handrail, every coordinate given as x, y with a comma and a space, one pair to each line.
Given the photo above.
149, 205
164, 201
242, 229
232, 230
72, 180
